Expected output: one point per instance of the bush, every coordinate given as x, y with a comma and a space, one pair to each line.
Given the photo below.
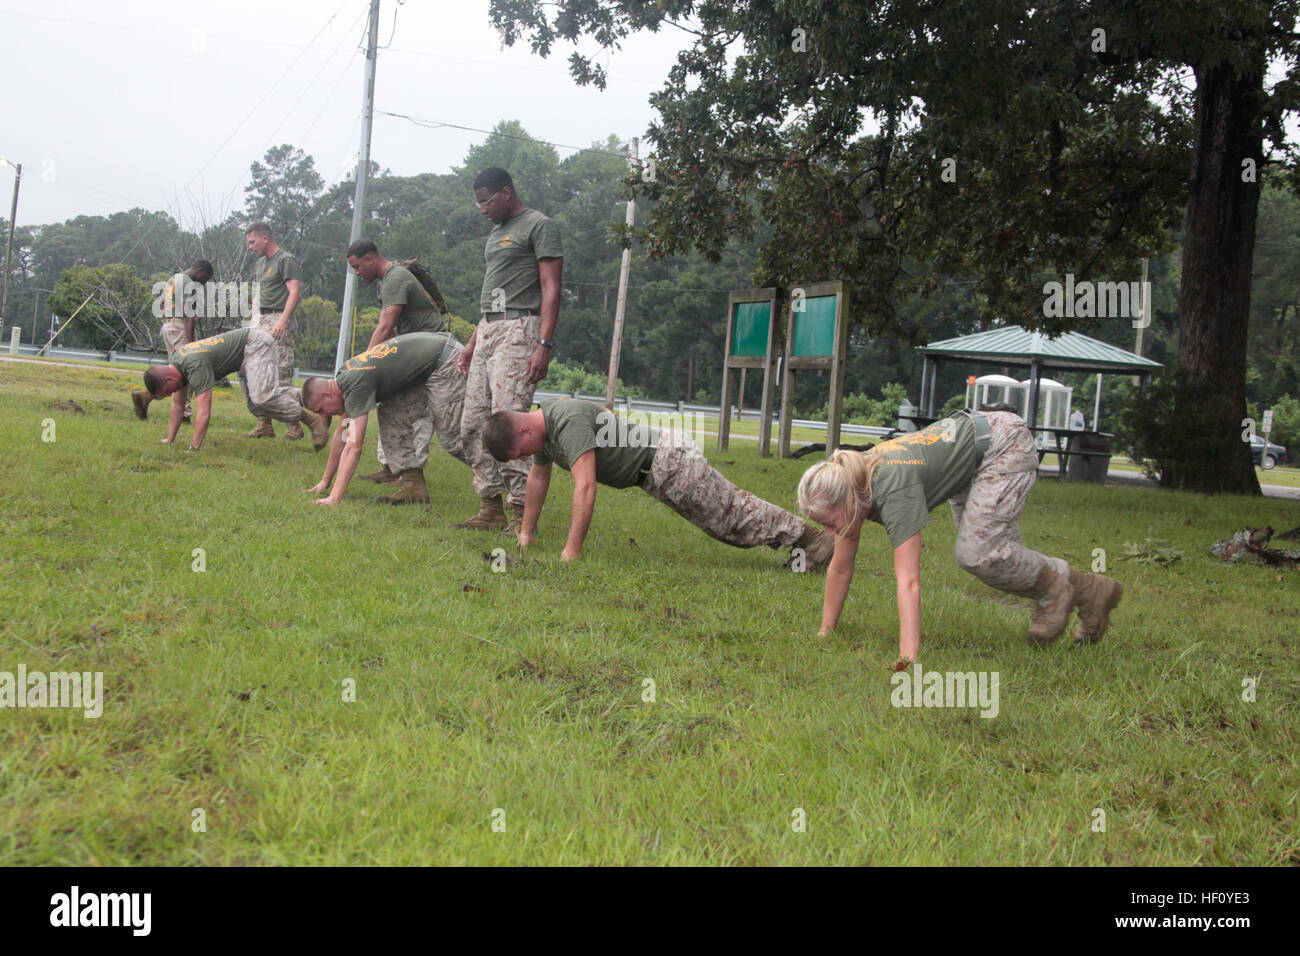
572, 377
860, 409
1286, 425
460, 328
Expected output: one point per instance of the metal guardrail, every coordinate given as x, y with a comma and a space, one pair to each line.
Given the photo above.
626, 403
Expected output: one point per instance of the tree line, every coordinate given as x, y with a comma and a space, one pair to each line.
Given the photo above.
675, 327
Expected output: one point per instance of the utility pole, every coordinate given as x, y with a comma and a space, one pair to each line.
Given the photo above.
616, 346
9, 246
363, 172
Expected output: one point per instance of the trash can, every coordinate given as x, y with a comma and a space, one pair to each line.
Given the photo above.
1091, 467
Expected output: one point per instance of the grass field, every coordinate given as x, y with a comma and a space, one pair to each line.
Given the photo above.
517, 699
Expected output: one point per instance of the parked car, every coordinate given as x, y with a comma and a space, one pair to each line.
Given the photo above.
1276, 453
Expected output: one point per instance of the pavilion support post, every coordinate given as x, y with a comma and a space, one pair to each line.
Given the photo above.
925, 382
1031, 411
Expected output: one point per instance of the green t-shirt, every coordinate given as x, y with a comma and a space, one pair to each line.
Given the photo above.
271, 275
511, 254
206, 360
918, 472
398, 287
388, 369
574, 427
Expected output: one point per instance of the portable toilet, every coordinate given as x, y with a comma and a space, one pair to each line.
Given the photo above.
1053, 408
995, 389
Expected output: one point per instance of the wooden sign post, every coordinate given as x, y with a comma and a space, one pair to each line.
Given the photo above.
751, 320
816, 337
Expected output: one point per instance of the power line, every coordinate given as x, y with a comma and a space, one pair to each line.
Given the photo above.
435, 124
248, 116
310, 83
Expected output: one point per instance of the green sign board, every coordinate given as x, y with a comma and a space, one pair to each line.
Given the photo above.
749, 328
814, 327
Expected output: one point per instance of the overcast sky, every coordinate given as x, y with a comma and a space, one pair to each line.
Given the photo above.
164, 103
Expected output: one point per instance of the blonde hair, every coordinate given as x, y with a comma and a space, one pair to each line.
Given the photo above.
842, 481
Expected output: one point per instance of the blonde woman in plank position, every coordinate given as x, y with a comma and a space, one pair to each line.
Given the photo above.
984, 464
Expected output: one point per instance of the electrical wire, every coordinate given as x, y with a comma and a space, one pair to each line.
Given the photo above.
435, 124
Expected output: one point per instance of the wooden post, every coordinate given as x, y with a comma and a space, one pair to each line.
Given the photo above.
837, 370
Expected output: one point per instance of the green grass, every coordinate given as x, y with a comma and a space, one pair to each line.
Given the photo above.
224, 688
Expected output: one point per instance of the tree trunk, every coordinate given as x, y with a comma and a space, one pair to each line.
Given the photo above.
1214, 302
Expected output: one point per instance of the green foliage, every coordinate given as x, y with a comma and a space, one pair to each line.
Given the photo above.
283, 192
567, 377
858, 409
318, 333
534, 167
1286, 426
1151, 551
119, 308
460, 328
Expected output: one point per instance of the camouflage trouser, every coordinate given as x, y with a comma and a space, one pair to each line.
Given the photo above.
266, 395
498, 381
988, 512
283, 346
407, 427
682, 479
173, 336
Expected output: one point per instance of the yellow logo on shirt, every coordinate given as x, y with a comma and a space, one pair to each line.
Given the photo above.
506, 240
374, 353
201, 345
940, 431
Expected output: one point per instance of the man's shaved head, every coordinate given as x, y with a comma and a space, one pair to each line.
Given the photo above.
499, 435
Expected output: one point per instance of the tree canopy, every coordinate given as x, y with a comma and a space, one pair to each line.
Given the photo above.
898, 145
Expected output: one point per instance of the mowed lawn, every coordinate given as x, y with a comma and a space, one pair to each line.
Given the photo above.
501, 718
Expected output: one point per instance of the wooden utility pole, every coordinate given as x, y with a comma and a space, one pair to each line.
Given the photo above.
616, 346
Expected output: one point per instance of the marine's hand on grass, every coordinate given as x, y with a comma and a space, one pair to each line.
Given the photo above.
900, 665
326, 501
567, 555
526, 538
318, 488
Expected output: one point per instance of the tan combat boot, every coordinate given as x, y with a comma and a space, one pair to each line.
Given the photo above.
141, 399
293, 432
413, 491
818, 546
320, 428
264, 429
490, 516
1095, 596
516, 520
1055, 597
384, 476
